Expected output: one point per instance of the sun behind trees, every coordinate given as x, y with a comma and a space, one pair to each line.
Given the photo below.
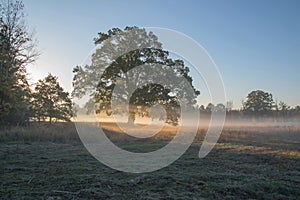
18, 103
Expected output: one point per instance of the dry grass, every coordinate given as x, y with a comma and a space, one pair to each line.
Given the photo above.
37, 132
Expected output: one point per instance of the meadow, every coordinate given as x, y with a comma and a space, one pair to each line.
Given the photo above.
250, 161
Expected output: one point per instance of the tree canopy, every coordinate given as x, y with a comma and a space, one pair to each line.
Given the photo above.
51, 101
258, 102
114, 62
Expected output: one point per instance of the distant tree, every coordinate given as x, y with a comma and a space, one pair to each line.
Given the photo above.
229, 106
209, 108
297, 111
258, 102
202, 108
220, 107
282, 106
51, 101
283, 109
294, 111
87, 79
17, 50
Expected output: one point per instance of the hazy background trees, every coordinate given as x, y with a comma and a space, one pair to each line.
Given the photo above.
258, 104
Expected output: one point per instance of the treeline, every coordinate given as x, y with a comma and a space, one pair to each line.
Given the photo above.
18, 101
46, 100
258, 104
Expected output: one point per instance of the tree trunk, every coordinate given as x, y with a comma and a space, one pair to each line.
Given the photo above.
131, 118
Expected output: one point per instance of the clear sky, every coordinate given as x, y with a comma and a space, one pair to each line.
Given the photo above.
255, 44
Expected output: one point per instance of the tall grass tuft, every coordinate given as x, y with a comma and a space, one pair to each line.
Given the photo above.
64, 132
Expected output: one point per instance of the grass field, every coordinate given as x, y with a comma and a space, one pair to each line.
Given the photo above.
249, 162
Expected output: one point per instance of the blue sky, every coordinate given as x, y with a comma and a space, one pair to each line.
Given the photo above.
255, 44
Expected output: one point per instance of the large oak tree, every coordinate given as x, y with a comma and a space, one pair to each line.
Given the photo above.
111, 66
